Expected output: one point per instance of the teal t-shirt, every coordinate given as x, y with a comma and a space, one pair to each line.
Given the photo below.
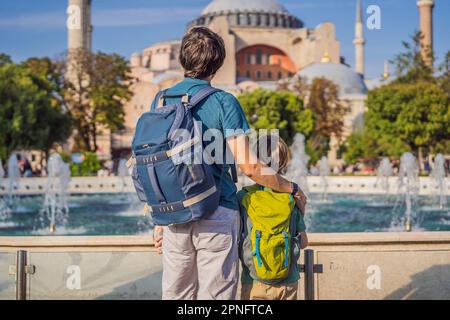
220, 111
294, 272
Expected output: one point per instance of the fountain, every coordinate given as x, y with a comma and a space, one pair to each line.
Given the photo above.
298, 168
55, 208
408, 180
122, 172
324, 170
13, 180
438, 173
383, 173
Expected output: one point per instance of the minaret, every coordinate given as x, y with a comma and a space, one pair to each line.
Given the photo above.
426, 28
359, 40
79, 26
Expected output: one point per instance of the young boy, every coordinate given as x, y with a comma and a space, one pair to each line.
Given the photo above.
286, 288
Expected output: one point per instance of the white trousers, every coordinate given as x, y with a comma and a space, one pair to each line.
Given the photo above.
200, 259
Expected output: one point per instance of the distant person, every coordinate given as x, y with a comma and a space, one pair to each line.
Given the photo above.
314, 171
200, 258
274, 232
27, 170
427, 167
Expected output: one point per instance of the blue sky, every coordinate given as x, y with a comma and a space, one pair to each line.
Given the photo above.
37, 27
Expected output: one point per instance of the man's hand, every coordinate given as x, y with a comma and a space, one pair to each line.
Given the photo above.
158, 238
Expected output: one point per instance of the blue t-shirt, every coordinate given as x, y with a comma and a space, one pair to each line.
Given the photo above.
220, 111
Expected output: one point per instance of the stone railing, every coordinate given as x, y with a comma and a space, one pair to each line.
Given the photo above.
354, 266
341, 184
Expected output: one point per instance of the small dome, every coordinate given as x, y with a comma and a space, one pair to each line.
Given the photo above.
271, 6
349, 81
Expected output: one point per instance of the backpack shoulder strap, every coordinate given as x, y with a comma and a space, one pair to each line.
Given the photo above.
201, 95
157, 101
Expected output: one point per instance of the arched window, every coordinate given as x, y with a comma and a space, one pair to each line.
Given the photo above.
262, 63
259, 56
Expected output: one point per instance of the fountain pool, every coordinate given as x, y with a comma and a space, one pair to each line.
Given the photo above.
110, 214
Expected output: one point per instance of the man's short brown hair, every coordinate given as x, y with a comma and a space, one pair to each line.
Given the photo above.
202, 53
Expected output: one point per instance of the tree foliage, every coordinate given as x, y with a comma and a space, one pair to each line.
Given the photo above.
4, 59
31, 117
322, 99
89, 167
400, 118
411, 65
411, 113
266, 109
95, 90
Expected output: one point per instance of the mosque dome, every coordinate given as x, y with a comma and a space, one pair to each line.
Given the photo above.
270, 6
249, 13
349, 81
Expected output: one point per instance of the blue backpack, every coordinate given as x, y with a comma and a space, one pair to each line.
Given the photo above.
169, 173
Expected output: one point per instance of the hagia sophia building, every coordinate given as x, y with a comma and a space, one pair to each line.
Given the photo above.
265, 43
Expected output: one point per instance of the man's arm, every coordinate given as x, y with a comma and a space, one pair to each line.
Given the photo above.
249, 164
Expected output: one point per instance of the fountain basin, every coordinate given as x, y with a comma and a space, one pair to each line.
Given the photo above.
122, 214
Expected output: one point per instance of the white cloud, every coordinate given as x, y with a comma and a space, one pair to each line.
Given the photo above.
144, 16
105, 18
48, 20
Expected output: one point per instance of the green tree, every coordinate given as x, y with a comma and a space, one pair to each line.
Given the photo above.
266, 109
30, 116
444, 77
322, 99
403, 117
89, 167
4, 59
410, 65
95, 90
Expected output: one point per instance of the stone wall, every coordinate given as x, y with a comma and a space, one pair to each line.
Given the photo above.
355, 266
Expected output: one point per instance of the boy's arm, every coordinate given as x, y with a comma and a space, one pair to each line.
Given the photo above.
234, 120
301, 229
259, 172
301, 226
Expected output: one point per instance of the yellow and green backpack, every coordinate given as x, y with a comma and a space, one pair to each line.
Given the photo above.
268, 244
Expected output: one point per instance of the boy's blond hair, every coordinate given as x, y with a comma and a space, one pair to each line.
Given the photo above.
278, 155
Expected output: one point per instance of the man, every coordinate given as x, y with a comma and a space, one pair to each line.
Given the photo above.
200, 259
